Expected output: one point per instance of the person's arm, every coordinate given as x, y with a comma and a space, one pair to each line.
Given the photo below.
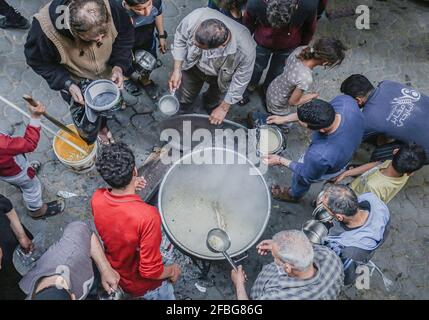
109, 277
357, 171
293, 117
19, 232
249, 17
239, 279
27, 143
121, 56
313, 167
159, 23
298, 97
180, 50
151, 265
43, 57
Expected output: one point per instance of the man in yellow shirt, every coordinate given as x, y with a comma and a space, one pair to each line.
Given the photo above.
386, 179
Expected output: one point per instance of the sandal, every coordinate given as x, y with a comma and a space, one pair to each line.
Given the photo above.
109, 140
54, 208
245, 100
282, 194
131, 88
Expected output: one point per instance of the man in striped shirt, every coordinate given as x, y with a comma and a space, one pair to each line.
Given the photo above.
299, 271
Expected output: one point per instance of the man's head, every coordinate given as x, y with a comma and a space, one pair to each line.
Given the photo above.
280, 12
89, 20
408, 159
53, 293
340, 201
292, 252
116, 165
317, 115
211, 34
358, 87
140, 7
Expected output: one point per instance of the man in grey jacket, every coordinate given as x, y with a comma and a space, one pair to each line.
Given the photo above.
210, 47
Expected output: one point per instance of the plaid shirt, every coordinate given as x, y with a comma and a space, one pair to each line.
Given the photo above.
325, 285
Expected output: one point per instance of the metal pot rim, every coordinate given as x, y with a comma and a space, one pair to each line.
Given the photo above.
196, 254
278, 134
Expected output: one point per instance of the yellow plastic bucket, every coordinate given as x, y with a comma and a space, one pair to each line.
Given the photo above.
71, 157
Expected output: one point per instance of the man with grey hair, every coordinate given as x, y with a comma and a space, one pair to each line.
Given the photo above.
211, 47
299, 271
360, 225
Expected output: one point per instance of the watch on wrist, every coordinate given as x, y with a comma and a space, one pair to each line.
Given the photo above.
163, 36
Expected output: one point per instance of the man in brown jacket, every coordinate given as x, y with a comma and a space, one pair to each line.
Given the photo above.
71, 41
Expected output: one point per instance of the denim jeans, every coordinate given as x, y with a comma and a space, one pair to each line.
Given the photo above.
301, 185
164, 292
277, 64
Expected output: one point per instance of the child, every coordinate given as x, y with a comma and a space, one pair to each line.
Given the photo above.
386, 179
230, 8
289, 88
146, 15
16, 170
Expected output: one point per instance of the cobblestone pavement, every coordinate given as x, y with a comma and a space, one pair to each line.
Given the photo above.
395, 48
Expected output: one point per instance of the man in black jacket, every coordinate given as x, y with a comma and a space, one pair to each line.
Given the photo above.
74, 40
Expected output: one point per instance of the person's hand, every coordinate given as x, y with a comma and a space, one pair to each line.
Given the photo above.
118, 77
76, 94
218, 114
163, 45
26, 244
175, 80
340, 178
176, 271
272, 160
313, 96
238, 277
276, 120
264, 247
140, 183
110, 280
36, 112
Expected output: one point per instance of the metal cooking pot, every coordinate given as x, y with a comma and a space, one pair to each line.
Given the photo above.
189, 193
102, 97
315, 231
320, 212
275, 147
144, 62
168, 104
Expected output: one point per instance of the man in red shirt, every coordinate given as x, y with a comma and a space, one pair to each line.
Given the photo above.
130, 228
16, 170
278, 27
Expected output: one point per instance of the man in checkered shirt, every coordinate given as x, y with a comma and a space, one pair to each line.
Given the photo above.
300, 271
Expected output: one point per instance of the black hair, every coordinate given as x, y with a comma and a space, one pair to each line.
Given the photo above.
341, 199
212, 33
132, 3
116, 165
317, 114
232, 4
328, 50
409, 159
356, 85
280, 12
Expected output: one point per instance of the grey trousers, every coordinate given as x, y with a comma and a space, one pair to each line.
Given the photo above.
192, 83
31, 189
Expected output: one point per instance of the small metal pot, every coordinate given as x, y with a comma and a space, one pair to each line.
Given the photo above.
280, 144
144, 62
168, 104
315, 231
320, 213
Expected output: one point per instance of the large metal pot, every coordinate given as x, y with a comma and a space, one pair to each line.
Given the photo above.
195, 198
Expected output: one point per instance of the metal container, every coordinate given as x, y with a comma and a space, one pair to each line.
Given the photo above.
274, 141
315, 231
189, 191
144, 62
102, 97
168, 104
320, 212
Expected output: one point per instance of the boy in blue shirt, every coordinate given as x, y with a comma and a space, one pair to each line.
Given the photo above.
146, 15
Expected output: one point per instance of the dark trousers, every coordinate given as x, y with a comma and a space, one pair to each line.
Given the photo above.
275, 68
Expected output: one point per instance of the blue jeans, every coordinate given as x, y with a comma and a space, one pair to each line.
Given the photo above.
277, 64
164, 292
301, 185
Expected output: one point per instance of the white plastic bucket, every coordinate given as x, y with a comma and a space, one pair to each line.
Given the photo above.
80, 166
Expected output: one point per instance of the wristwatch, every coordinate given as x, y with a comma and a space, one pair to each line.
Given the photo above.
163, 36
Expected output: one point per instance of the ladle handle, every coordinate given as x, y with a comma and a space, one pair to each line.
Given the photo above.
231, 262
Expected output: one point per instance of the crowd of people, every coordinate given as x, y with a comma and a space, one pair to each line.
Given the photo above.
227, 45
